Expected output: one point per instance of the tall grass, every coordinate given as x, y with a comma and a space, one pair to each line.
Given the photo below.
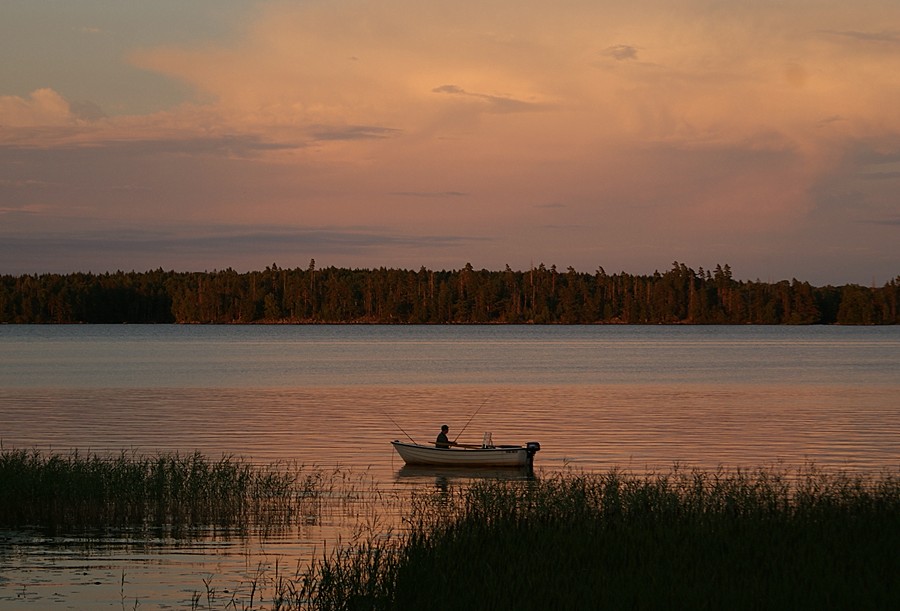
684, 539
58, 492
694, 540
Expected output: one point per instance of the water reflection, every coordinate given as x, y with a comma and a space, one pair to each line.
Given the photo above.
637, 398
443, 478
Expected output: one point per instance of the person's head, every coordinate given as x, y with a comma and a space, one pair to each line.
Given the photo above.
445, 428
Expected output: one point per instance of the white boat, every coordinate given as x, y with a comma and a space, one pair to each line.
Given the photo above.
478, 456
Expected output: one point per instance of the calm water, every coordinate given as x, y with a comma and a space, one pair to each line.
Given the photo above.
594, 397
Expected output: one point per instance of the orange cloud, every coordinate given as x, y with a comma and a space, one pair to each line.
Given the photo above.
44, 108
695, 117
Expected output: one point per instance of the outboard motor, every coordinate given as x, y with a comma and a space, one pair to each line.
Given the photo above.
530, 449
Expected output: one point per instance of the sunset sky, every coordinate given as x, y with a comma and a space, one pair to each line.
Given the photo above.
207, 134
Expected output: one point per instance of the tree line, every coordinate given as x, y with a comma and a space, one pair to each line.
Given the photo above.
540, 295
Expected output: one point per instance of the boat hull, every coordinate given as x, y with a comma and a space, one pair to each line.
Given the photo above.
501, 456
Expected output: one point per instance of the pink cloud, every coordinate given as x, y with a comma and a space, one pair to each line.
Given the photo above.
43, 107
648, 125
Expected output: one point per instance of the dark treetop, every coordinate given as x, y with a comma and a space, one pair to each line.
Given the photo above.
539, 296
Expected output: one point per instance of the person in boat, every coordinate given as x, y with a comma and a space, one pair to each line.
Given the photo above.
442, 440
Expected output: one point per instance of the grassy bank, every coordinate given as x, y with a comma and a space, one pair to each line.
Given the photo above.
65, 492
764, 539
691, 540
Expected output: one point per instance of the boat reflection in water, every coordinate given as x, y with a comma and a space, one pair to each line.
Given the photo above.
410, 472
443, 477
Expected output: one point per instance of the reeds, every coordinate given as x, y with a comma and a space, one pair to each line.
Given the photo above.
722, 540
59, 492
683, 539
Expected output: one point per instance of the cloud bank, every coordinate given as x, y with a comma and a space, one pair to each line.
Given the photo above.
763, 136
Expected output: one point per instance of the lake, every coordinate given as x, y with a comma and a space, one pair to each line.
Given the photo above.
640, 398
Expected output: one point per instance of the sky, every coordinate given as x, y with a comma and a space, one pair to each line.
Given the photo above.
216, 134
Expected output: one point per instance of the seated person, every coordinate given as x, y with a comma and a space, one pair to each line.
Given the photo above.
442, 441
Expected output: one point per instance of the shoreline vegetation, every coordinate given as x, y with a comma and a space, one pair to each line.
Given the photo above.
540, 295
736, 539
686, 540
691, 540
169, 494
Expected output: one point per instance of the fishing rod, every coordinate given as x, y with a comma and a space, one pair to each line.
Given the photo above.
483, 403
398, 426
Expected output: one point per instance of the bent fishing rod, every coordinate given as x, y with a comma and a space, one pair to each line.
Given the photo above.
483, 403
388, 416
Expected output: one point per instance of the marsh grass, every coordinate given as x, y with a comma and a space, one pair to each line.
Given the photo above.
697, 540
173, 492
731, 539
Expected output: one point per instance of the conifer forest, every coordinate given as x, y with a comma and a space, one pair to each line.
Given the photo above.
540, 295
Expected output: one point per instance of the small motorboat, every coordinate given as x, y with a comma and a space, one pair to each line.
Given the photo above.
485, 455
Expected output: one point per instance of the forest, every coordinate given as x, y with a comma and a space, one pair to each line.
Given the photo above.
540, 295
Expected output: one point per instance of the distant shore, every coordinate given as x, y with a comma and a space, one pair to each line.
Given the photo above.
680, 296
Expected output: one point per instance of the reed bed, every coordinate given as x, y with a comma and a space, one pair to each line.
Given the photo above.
65, 492
699, 540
